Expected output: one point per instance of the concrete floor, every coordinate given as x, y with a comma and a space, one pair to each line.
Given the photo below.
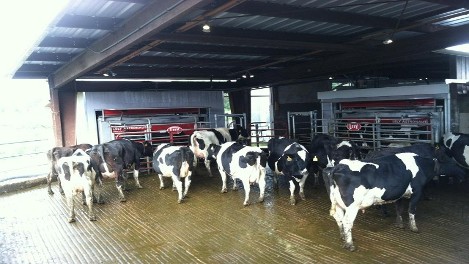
211, 227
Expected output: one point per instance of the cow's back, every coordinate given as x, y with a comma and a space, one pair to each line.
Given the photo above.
458, 144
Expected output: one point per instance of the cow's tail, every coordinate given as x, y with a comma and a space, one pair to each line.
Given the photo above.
184, 171
193, 141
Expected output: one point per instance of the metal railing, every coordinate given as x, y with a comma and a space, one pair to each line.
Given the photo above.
23, 159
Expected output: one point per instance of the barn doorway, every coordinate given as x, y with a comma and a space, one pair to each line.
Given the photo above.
261, 116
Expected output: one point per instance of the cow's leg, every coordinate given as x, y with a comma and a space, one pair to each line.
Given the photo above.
413, 209
120, 184
235, 184
137, 183
275, 181
302, 186
161, 181
98, 193
338, 214
261, 187
49, 181
71, 206
178, 183
223, 180
207, 165
88, 191
349, 218
399, 211
292, 192
61, 190
247, 189
187, 183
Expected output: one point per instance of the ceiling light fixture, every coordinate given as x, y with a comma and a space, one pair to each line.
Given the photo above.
206, 28
247, 75
389, 40
109, 73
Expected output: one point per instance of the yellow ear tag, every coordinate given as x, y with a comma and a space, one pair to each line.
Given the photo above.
289, 158
315, 158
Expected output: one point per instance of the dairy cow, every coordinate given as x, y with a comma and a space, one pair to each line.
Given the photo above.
328, 150
200, 140
240, 162
291, 159
175, 162
53, 155
458, 146
446, 166
111, 158
77, 176
355, 185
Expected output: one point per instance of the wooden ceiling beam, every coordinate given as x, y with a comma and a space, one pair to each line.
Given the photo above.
152, 19
173, 47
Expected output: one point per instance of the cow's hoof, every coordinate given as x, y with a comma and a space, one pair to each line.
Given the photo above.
349, 247
100, 201
123, 200
139, 187
180, 201
261, 200
246, 203
71, 220
414, 229
161, 188
51, 192
92, 218
174, 189
292, 201
302, 196
224, 191
399, 225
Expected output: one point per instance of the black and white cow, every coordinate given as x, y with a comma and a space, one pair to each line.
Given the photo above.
291, 159
355, 185
446, 166
111, 158
328, 150
240, 162
458, 145
175, 162
200, 140
53, 155
77, 176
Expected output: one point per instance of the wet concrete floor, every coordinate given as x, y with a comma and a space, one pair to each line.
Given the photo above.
211, 227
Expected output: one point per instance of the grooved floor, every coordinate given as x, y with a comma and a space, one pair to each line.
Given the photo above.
211, 227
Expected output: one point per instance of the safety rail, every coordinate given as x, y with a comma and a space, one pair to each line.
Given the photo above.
262, 132
23, 159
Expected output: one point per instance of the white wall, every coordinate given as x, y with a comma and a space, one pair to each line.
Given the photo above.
90, 102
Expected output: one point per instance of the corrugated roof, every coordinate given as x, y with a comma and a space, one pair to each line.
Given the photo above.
280, 40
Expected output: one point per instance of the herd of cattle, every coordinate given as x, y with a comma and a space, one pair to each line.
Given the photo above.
353, 181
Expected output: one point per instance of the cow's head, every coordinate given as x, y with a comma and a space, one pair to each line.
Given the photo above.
212, 150
295, 160
147, 149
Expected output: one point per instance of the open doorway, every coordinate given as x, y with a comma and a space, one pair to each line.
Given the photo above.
261, 116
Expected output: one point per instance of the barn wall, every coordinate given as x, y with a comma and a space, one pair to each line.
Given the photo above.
462, 72
90, 102
296, 98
